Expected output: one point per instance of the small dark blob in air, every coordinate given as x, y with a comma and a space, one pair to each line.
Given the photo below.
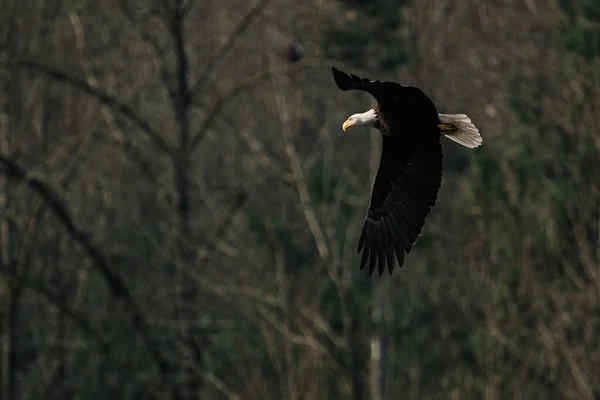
295, 52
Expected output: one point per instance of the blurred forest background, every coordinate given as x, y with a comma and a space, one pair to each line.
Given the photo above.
180, 208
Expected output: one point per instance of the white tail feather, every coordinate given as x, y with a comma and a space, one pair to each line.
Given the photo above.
466, 133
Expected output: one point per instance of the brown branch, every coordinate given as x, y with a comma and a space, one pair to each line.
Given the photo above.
110, 101
26, 283
223, 50
255, 81
135, 17
114, 282
235, 205
298, 175
24, 252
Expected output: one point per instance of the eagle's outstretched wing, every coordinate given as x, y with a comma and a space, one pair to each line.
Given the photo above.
405, 189
378, 89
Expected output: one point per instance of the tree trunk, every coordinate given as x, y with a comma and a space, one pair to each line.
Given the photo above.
187, 293
10, 292
378, 343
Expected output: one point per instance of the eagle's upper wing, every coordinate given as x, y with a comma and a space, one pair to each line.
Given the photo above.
381, 90
405, 109
405, 189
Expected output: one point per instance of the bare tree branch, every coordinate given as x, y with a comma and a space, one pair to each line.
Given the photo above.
236, 203
298, 175
162, 13
215, 111
103, 97
223, 50
114, 282
44, 292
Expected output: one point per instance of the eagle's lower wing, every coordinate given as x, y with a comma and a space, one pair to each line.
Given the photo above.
405, 189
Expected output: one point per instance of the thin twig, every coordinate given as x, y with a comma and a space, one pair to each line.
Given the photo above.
63, 308
160, 58
114, 282
235, 205
255, 81
299, 179
223, 50
103, 97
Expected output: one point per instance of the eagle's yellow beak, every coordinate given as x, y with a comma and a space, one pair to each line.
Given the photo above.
347, 124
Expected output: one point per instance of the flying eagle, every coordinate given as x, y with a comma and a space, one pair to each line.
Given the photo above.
410, 170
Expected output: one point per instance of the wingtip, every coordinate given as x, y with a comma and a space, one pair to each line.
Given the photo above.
342, 80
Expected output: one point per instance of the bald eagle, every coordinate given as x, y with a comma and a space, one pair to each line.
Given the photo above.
410, 169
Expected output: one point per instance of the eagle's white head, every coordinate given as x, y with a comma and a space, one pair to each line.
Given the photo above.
367, 118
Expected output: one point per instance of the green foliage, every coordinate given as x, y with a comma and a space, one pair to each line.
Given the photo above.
579, 32
321, 183
368, 35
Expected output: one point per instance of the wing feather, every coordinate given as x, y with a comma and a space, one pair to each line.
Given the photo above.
405, 190
383, 91
398, 230
373, 259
